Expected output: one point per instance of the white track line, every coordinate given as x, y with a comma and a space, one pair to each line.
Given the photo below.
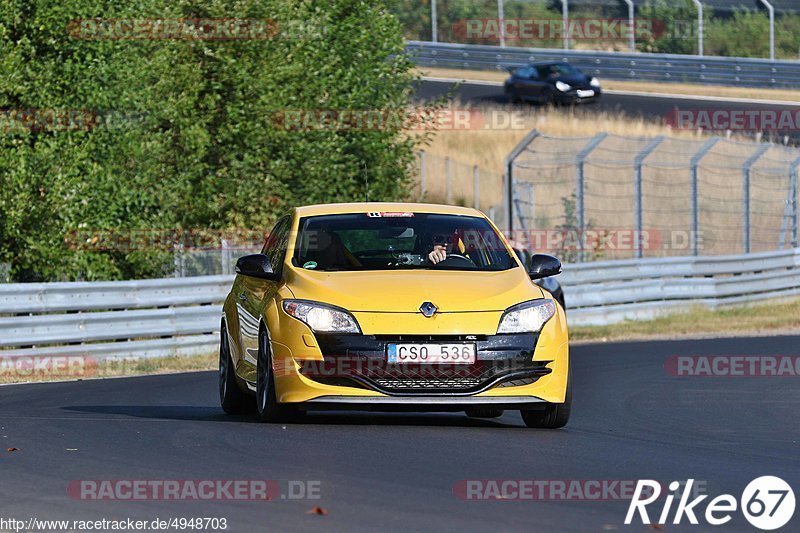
669, 96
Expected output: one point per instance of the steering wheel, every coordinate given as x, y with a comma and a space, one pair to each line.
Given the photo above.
456, 260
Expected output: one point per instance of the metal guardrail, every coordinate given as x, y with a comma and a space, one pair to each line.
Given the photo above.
180, 316
612, 291
145, 318
615, 65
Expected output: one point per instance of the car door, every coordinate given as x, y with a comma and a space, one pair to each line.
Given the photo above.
255, 294
527, 84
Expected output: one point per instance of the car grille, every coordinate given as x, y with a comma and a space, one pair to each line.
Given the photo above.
361, 361
427, 384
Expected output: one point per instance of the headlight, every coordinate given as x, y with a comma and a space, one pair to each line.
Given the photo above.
563, 87
321, 317
527, 317
594, 82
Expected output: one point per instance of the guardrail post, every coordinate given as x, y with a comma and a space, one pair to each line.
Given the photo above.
476, 186
748, 165
637, 189
695, 162
508, 178
580, 189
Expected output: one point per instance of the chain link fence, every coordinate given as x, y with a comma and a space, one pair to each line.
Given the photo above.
615, 197
443, 180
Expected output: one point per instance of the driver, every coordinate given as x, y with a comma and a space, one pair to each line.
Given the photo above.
442, 247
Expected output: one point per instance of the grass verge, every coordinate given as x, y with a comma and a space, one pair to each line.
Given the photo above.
688, 89
756, 319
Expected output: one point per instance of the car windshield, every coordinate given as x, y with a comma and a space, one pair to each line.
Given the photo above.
389, 241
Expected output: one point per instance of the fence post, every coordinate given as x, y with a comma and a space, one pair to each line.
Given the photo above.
638, 161
422, 173
699, 6
631, 24
434, 23
448, 177
746, 167
580, 189
476, 186
794, 188
501, 16
695, 162
771, 10
180, 270
508, 177
225, 257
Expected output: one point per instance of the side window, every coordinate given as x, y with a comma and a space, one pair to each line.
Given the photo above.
526, 73
277, 243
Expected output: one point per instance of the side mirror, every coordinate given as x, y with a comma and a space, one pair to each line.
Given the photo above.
255, 266
543, 266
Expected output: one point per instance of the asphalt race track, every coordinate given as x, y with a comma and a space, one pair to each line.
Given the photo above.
631, 420
635, 106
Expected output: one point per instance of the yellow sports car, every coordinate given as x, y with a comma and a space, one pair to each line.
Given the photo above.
390, 306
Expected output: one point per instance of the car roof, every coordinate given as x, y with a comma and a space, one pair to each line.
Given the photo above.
384, 207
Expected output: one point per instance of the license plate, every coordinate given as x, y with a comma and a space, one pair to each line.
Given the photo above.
585, 93
431, 353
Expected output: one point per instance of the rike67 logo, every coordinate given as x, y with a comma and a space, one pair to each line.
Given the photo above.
767, 503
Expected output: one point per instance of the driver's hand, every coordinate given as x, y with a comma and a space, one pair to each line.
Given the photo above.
439, 253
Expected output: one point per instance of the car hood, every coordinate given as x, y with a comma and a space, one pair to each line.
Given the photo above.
575, 80
404, 291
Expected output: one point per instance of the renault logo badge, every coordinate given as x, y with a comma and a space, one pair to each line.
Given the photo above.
428, 309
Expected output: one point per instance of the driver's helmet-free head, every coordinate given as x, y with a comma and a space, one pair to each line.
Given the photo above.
453, 242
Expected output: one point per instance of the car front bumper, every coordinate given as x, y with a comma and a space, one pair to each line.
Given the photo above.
578, 96
516, 377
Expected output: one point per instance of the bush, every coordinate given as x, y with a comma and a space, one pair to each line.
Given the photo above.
182, 133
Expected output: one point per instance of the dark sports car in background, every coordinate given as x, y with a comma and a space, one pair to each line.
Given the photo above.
551, 83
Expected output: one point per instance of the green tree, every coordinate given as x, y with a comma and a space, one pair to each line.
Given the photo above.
184, 134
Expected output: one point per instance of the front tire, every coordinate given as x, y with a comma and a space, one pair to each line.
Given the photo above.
231, 397
267, 406
554, 415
